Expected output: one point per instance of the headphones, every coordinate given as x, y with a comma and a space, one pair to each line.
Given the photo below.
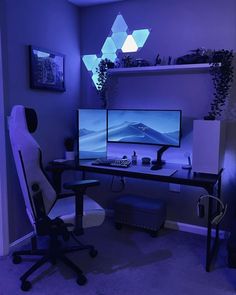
218, 216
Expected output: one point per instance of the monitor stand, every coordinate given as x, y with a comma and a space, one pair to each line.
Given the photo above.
158, 163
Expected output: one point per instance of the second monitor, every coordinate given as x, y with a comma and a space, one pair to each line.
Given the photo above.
155, 127
158, 127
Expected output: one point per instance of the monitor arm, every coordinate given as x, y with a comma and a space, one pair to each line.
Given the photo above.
159, 162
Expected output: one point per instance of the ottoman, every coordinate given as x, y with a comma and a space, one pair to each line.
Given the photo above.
141, 212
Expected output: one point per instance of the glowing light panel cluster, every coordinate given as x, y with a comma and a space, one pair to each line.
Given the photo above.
119, 39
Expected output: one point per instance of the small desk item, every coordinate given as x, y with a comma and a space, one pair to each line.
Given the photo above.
146, 161
210, 182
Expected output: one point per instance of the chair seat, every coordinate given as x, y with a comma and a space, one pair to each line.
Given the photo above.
64, 208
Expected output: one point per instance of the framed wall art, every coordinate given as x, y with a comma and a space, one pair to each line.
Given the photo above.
47, 69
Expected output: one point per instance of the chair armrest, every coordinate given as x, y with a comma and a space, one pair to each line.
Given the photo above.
79, 188
64, 195
80, 185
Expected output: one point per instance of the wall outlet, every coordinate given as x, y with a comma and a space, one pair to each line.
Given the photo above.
173, 187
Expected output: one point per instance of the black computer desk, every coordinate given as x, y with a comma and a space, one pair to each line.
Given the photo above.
210, 182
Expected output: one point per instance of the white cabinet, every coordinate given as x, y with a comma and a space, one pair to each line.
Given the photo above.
208, 146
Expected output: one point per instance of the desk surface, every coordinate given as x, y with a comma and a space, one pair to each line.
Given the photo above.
181, 176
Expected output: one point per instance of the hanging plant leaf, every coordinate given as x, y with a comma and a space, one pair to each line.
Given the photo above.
222, 77
102, 84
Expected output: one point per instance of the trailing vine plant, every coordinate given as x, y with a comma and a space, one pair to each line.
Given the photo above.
222, 75
102, 84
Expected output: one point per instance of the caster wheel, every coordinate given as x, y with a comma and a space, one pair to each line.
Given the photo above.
26, 286
93, 253
118, 226
16, 259
82, 280
154, 234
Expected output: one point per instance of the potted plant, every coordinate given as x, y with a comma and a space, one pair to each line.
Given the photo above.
69, 148
102, 84
222, 75
209, 134
221, 69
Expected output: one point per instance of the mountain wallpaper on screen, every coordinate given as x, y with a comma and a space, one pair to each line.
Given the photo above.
92, 144
141, 133
92, 133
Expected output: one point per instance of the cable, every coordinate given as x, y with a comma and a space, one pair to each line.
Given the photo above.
219, 215
213, 197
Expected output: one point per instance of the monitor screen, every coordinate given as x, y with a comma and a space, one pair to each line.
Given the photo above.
161, 127
92, 140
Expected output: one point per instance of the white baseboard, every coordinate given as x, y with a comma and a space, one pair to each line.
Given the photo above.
185, 227
194, 229
21, 241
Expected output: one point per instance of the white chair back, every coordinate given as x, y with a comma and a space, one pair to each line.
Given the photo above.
27, 156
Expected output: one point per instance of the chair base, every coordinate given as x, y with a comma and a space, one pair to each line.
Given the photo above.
52, 255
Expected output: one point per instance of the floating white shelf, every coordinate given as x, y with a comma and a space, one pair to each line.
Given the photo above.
156, 69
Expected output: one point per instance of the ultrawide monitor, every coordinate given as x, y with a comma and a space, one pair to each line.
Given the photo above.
92, 140
159, 127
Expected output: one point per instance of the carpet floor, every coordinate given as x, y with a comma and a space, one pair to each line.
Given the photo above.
130, 262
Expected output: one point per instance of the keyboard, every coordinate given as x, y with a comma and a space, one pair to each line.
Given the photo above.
120, 163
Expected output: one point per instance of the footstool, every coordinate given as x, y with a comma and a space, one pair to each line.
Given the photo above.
139, 211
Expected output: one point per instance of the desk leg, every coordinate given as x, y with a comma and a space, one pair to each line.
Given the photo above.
209, 228
212, 250
56, 178
79, 202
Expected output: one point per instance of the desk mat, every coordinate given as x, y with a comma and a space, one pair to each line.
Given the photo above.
165, 172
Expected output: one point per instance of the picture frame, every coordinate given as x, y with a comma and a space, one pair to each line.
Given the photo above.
47, 69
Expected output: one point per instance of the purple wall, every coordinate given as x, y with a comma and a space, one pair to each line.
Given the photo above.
50, 24
176, 28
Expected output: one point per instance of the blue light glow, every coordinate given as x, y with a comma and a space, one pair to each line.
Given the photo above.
96, 64
119, 25
89, 61
117, 39
95, 79
108, 46
140, 36
129, 45
111, 56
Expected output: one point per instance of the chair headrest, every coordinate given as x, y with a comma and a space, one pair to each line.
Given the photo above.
31, 119
24, 119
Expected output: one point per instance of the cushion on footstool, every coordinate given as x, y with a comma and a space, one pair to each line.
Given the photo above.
140, 211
